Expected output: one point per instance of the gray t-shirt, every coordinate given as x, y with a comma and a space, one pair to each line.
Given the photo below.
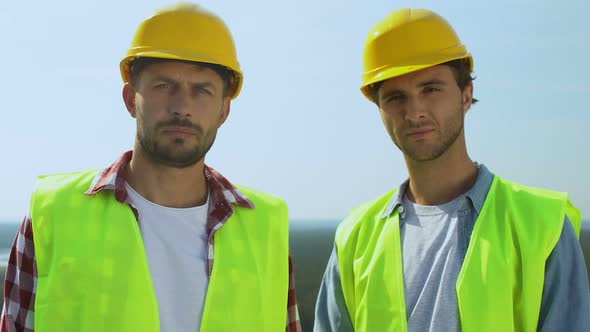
431, 265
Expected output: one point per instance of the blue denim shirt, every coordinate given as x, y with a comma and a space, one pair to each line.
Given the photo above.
566, 296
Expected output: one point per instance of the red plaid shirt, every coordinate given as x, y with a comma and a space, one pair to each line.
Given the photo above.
21, 274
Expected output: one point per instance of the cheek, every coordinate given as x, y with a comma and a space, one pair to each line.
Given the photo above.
211, 114
148, 112
140, 123
143, 120
390, 122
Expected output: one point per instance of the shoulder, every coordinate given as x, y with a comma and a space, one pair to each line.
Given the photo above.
363, 215
537, 198
56, 182
537, 202
260, 198
57, 187
519, 189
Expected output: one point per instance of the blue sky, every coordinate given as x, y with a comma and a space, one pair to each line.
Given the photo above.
300, 129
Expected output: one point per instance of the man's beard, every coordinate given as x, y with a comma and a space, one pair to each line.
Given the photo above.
451, 132
176, 154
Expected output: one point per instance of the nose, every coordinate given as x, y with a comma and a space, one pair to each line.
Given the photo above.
180, 103
415, 110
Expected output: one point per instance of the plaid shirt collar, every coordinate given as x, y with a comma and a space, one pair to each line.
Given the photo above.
223, 195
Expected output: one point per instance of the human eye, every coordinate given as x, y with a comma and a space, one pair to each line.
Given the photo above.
203, 91
162, 85
431, 89
395, 97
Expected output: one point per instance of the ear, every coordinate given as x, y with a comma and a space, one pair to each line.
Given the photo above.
129, 98
467, 97
224, 111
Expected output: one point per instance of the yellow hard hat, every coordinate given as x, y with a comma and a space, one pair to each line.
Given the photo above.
406, 41
185, 32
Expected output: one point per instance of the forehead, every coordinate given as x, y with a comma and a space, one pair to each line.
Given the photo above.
177, 70
441, 73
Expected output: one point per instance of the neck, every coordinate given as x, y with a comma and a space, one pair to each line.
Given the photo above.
441, 180
167, 186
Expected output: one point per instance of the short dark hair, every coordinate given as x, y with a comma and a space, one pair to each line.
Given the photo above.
462, 76
139, 64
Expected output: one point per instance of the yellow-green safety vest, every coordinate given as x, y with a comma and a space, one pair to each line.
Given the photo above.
93, 271
500, 285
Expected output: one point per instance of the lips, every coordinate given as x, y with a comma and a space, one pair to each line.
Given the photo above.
180, 132
420, 132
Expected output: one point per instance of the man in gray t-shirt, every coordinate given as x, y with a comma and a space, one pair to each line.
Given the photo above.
455, 247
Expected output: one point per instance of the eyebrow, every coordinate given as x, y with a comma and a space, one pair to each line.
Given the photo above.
421, 84
432, 82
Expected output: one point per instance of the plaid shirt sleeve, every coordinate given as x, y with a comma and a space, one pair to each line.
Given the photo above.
20, 283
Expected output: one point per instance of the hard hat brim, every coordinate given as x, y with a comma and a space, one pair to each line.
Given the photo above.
385, 74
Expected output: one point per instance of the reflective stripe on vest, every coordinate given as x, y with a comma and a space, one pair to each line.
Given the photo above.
501, 281
93, 273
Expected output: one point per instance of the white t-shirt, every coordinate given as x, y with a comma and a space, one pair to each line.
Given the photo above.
175, 241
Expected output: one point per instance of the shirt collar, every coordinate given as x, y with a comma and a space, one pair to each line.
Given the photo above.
476, 195
114, 178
